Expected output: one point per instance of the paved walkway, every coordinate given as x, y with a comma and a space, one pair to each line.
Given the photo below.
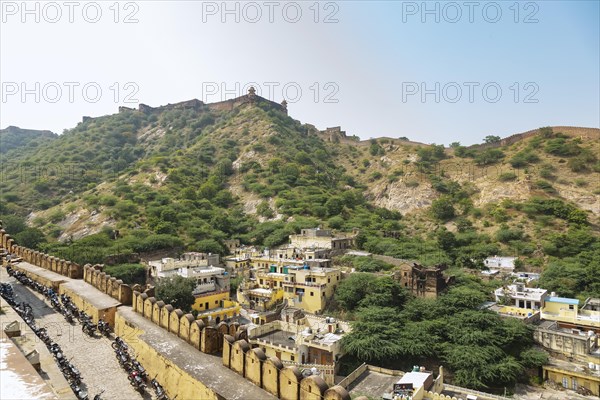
94, 357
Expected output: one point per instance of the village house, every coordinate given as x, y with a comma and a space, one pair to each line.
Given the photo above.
212, 284
303, 286
504, 264
309, 342
520, 296
566, 313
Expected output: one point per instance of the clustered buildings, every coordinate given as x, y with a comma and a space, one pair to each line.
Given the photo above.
564, 327
282, 294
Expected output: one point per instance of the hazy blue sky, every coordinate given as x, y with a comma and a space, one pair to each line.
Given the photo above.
434, 71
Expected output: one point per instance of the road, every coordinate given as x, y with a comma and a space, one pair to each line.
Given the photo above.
94, 357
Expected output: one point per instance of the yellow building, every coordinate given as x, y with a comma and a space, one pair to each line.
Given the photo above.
303, 286
567, 313
225, 310
573, 377
210, 300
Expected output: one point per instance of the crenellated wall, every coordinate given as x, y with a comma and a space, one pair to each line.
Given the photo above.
269, 373
60, 266
207, 339
110, 285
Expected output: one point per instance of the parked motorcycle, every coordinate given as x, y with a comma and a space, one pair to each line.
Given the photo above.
79, 391
135, 364
103, 328
136, 381
158, 389
88, 328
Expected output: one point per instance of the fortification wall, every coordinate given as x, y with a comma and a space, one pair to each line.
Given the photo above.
175, 381
91, 274
55, 264
269, 373
207, 339
226, 105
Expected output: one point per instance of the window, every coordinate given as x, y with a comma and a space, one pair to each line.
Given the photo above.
312, 293
574, 383
292, 357
570, 306
565, 382
216, 301
328, 280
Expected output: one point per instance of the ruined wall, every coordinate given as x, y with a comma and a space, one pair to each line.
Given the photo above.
286, 383
568, 344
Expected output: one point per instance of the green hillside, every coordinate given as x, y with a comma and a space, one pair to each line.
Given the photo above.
190, 178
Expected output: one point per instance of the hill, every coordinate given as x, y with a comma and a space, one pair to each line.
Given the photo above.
192, 175
16, 138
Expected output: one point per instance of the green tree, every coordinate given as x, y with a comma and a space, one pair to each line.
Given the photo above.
176, 291
128, 273
374, 335
491, 139
442, 209
31, 238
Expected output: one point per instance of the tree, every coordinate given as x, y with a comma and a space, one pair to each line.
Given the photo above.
128, 273
176, 291
442, 209
30, 237
492, 139
353, 289
361, 290
374, 335
13, 224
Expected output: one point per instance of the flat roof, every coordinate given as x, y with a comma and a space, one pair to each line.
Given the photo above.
416, 378
279, 337
554, 299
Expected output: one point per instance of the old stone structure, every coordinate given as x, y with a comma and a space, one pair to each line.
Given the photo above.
250, 99
423, 281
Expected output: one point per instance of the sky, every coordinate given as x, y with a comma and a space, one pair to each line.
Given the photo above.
435, 72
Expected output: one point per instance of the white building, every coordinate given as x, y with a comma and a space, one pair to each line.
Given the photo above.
521, 296
196, 266
502, 263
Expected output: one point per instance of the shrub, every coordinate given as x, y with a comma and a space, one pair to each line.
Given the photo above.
507, 176
128, 273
